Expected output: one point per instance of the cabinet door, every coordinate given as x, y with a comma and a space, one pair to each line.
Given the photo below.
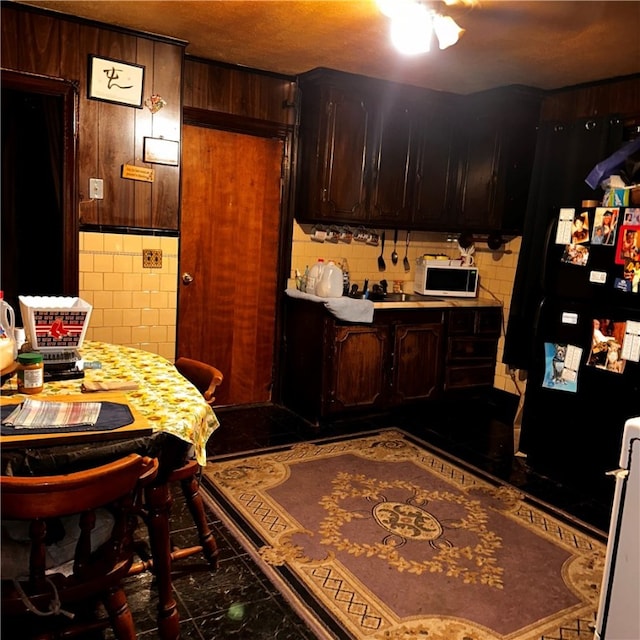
393, 159
496, 147
335, 130
357, 368
435, 176
416, 361
475, 207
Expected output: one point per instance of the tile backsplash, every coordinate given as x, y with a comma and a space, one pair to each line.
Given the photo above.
134, 301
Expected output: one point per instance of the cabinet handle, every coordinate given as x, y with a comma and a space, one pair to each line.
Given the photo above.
187, 278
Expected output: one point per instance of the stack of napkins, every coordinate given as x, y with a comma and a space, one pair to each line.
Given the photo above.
35, 414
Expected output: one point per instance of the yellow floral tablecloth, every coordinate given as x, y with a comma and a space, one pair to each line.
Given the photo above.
164, 397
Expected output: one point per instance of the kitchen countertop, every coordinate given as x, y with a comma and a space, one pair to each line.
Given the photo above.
360, 310
416, 301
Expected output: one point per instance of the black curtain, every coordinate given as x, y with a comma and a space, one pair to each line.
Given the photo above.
565, 154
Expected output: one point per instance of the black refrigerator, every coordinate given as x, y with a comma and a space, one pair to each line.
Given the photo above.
578, 394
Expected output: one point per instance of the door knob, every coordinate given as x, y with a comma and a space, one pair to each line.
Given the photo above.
187, 278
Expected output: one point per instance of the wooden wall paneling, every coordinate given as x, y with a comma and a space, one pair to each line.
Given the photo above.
195, 84
167, 82
143, 127
116, 141
40, 44
72, 59
252, 94
88, 129
9, 40
621, 96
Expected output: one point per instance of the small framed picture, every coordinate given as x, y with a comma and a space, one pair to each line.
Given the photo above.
161, 151
115, 81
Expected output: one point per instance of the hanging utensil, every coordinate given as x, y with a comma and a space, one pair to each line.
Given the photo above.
381, 263
407, 266
394, 255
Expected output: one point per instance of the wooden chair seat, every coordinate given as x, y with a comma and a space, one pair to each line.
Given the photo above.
37, 597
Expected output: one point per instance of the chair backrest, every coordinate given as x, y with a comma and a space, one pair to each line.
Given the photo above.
204, 377
75, 503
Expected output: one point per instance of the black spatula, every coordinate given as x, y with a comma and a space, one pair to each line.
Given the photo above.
405, 262
381, 263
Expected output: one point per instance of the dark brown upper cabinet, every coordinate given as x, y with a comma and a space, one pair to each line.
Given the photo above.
335, 138
436, 169
496, 135
388, 155
357, 150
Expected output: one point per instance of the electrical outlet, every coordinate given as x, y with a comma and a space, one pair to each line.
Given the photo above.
96, 189
152, 258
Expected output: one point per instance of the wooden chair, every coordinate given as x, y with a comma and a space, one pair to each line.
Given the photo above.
205, 378
92, 513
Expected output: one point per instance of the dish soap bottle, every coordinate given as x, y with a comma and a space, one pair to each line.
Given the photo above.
8, 349
345, 277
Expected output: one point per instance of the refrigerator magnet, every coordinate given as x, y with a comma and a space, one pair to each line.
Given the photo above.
628, 244
565, 221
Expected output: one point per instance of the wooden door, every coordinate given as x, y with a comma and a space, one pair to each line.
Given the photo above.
230, 228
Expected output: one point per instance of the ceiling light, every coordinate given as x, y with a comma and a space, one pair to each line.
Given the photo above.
411, 29
413, 23
447, 30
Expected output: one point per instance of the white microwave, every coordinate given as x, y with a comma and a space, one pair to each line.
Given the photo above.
446, 278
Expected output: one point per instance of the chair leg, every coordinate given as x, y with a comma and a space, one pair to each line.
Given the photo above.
120, 615
191, 490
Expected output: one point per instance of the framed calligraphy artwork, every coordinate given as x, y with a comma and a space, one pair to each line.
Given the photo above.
115, 81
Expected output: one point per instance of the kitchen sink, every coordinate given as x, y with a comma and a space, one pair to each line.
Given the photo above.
405, 297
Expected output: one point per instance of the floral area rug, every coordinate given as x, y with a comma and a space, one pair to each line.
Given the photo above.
380, 537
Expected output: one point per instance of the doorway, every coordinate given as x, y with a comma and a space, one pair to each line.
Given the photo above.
39, 222
229, 254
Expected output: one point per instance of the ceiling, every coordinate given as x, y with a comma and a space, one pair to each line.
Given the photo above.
546, 44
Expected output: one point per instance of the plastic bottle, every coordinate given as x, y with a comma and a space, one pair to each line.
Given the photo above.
346, 283
8, 349
314, 276
330, 284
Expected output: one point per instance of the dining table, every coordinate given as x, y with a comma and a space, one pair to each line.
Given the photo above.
166, 417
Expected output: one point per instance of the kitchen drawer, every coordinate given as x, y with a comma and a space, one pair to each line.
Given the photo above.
475, 321
489, 322
467, 348
465, 376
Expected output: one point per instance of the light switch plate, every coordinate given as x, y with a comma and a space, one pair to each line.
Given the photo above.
96, 189
152, 258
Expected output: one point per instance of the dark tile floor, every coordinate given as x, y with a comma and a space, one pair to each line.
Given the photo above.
237, 601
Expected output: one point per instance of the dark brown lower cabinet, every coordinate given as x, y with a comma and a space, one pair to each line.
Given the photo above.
417, 359
472, 342
356, 366
405, 355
